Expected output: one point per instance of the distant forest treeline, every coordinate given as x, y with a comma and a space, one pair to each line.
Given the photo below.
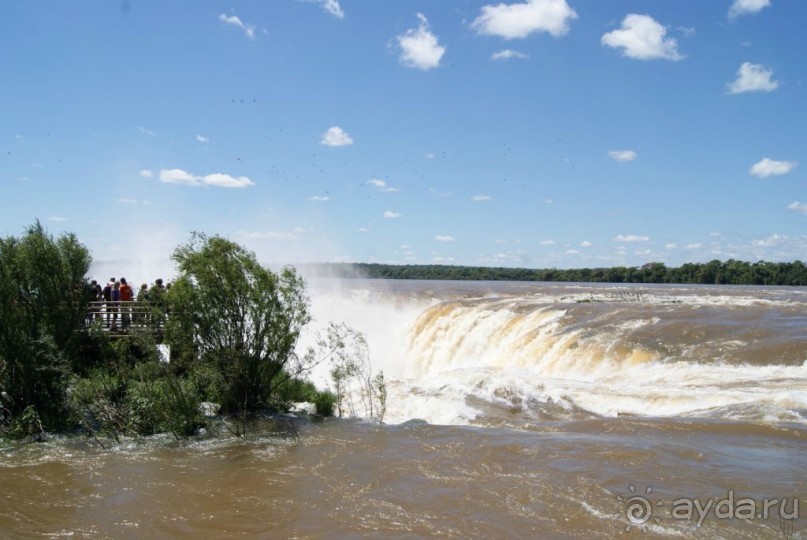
714, 272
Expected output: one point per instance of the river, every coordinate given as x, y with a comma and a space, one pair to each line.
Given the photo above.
515, 410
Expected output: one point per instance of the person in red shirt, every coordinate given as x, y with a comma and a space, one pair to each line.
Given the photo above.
126, 295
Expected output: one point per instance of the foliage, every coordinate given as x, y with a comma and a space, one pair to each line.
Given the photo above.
325, 403
98, 401
379, 387
352, 373
27, 425
42, 303
168, 403
295, 390
238, 317
140, 400
298, 390
232, 325
714, 272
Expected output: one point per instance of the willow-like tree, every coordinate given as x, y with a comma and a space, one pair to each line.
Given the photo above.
352, 373
240, 318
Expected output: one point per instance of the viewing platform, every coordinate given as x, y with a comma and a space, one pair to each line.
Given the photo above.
120, 318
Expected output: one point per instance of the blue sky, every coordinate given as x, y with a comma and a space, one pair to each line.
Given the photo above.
542, 133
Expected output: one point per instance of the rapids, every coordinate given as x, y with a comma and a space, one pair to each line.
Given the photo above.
516, 410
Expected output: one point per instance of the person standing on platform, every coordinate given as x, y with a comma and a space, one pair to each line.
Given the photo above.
157, 298
115, 301
126, 297
143, 307
106, 295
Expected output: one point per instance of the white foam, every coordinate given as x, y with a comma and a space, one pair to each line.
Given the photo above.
443, 362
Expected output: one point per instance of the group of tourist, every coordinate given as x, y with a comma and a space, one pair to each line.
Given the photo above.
117, 297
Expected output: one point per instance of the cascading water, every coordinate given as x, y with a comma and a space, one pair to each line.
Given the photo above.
493, 358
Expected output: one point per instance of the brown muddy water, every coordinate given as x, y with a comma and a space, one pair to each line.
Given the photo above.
515, 411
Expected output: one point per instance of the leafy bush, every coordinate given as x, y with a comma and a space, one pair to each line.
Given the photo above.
239, 318
325, 402
27, 425
145, 400
42, 304
98, 403
233, 328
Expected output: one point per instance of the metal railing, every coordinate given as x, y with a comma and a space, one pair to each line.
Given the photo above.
121, 316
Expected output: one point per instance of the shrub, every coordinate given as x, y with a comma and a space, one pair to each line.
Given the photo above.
238, 318
325, 402
42, 305
98, 403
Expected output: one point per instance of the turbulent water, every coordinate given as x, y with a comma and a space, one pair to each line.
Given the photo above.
515, 410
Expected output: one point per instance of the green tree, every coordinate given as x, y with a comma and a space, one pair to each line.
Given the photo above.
238, 317
42, 309
352, 373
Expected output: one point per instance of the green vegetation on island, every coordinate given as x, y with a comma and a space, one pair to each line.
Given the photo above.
220, 346
730, 272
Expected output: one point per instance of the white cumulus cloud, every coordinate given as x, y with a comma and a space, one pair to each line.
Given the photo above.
444, 238
332, 7
547, 242
746, 7
248, 29
420, 47
623, 156
389, 214
631, 238
771, 240
336, 136
202, 139
752, 78
643, 38
770, 167
508, 54
696, 245
481, 198
519, 20
178, 176
797, 206
225, 180
319, 198
586, 243
57, 218
382, 185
